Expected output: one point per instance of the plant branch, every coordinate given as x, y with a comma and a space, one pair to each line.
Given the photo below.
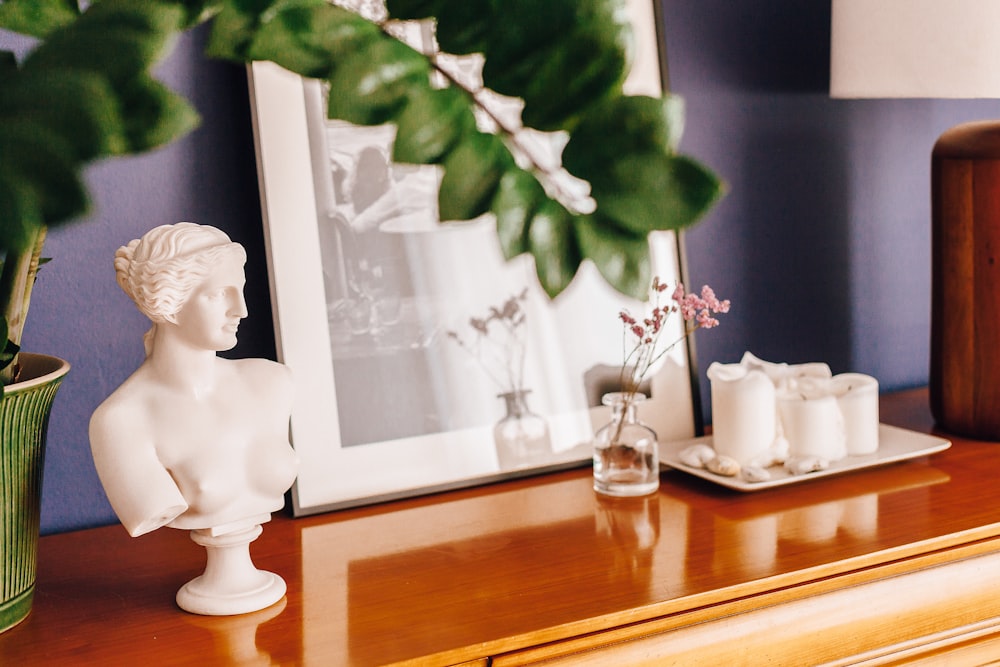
511, 132
16, 282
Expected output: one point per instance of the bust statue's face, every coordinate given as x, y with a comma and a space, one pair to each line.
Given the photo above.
212, 313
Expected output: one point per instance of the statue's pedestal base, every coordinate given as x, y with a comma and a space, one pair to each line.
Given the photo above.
230, 584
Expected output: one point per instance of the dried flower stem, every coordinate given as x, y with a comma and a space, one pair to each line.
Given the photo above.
501, 357
696, 312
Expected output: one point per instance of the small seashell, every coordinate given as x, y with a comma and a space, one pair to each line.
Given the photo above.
764, 460
806, 464
755, 474
696, 456
724, 465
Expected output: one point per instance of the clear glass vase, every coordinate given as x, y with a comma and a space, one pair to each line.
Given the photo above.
626, 460
522, 437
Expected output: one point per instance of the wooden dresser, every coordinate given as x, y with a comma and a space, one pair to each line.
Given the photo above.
894, 565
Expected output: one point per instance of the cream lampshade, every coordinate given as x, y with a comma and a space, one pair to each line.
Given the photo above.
944, 48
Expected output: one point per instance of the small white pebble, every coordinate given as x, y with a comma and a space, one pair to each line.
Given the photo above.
696, 456
804, 465
724, 465
755, 474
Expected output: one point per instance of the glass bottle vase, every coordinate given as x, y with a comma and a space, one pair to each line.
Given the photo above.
521, 436
626, 460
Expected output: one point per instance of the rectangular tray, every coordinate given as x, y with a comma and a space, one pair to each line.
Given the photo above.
895, 444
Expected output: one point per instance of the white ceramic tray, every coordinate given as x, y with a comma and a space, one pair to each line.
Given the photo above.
895, 444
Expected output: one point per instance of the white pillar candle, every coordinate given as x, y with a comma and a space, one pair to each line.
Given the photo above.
857, 395
812, 423
744, 420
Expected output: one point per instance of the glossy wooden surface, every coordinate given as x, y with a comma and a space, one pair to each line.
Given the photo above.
515, 569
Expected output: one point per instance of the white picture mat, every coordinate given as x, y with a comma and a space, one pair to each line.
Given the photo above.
333, 475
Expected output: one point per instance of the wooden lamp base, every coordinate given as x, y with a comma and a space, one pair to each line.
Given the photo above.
965, 275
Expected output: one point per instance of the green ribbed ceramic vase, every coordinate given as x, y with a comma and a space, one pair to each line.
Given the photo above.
24, 416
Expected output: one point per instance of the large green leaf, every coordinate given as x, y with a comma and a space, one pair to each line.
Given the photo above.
117, 38
644, 192
622, 259
78, 106
8, 63
37, 18
233, 31
472, 171
638, 122
154, 114
637, 180
120, 41
370, 87
552, 241
198, 11
577, 53
40, 173
48, 128
587, 73
430, 124
311, 38
461, 26
20, 212
508, 49
518, 196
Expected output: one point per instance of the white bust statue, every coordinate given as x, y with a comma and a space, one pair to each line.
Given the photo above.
192, 440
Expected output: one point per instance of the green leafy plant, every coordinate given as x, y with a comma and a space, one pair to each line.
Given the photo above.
86, 93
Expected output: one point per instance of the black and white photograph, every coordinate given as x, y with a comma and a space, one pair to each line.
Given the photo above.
432, 361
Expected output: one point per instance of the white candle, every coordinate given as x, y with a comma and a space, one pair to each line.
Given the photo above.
857, 395
744, 419
811, 419
783, 374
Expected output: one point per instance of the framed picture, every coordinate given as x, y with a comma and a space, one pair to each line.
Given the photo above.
423, 361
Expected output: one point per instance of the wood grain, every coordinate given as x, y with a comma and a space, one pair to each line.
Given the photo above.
965, 271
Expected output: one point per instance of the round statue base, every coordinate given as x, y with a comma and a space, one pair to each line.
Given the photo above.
230, 584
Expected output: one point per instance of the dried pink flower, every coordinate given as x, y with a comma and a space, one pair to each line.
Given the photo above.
697, 312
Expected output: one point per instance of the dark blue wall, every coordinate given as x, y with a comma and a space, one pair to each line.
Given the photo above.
822, 242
